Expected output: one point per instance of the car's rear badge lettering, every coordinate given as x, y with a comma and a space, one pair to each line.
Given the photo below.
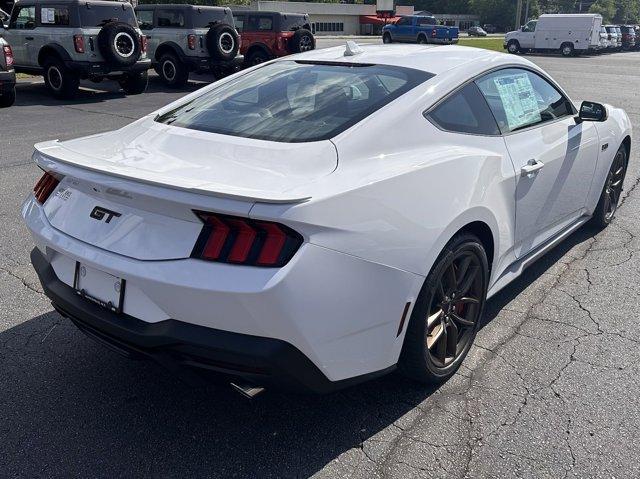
99, 213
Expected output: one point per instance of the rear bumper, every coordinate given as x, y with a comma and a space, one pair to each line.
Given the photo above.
183, 347
92, 69
340, 312
207, 64
7, 80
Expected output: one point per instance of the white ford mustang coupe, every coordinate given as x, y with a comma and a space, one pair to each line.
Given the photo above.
324, 218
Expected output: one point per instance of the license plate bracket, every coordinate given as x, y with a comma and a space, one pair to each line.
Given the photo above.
103, 289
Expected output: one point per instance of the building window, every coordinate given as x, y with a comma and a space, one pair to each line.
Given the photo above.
328, 27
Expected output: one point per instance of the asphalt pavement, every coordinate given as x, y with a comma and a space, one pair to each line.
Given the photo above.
550, 390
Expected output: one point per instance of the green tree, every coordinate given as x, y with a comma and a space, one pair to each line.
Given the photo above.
606, 8
496, 12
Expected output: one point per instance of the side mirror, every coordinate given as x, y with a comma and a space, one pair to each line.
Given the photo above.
591, 111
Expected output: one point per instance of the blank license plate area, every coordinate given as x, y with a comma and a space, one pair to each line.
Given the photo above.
102, 288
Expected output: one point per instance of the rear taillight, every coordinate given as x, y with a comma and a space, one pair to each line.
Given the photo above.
78, 43
143, 43
191, 41
44, 187
434, 33
230, 239
8, 55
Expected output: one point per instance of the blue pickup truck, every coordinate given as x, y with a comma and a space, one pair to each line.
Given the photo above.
419, 29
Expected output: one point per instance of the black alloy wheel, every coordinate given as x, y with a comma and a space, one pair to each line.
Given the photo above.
447, 314
612, 190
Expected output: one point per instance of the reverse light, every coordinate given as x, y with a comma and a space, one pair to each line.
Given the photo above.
434, 33
143, 43
44, 187
78, 43
8, 55
191, 41
230, 239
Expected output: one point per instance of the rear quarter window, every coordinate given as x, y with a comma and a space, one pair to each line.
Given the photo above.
466, 111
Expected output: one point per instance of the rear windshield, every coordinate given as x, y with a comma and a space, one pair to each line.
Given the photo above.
202, 18
293, 102
288, 22
98, 15
627, 30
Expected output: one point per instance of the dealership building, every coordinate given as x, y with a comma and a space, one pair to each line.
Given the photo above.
349, 18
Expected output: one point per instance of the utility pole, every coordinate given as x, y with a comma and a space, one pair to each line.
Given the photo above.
526, 12
518, 14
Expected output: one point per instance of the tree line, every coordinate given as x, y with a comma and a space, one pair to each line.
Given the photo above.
502, 12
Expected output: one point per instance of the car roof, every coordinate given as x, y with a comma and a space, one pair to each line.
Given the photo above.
430, 58
70, 2
182, 6
238, 11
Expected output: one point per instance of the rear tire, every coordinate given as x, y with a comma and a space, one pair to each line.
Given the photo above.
256, 57
386, 38
447, 313
611, 191
135, 83
8, 98
422, 40
172, 71
567, 50
302, 41
61, 82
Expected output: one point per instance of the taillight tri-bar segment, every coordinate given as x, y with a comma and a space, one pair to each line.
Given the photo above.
231, 239
44, 187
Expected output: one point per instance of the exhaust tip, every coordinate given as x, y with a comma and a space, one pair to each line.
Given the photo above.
248, 391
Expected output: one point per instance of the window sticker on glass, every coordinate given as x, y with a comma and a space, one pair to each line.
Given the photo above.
48, 15
518, 99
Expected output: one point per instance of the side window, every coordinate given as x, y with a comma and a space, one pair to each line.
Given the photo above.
261, 23
530, 27
404, 21
23, 18
170, 18
145, 19
54, 16
466, 111
239, 22
427, 21
520, 99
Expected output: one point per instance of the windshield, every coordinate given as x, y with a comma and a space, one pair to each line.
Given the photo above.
92, 15
292, 102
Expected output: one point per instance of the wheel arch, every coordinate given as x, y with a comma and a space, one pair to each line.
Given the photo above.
52, 49
626, 142
478, 221
258, 47
168, 47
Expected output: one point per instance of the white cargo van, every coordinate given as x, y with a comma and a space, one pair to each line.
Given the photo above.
567, 33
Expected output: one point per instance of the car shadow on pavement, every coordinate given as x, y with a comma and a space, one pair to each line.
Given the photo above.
71, 408
34, 93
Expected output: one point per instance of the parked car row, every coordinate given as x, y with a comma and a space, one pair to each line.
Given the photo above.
571, 34
66, 41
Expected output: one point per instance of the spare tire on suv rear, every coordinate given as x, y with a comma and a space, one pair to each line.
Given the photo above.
302, 41
222, 42
119, 44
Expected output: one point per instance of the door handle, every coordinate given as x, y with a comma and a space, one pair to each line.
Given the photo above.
530, 168
29, 38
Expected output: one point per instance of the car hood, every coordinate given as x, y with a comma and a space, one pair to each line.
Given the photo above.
203, 162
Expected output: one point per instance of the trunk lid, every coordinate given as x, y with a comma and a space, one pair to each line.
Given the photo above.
134, 192
206, 163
